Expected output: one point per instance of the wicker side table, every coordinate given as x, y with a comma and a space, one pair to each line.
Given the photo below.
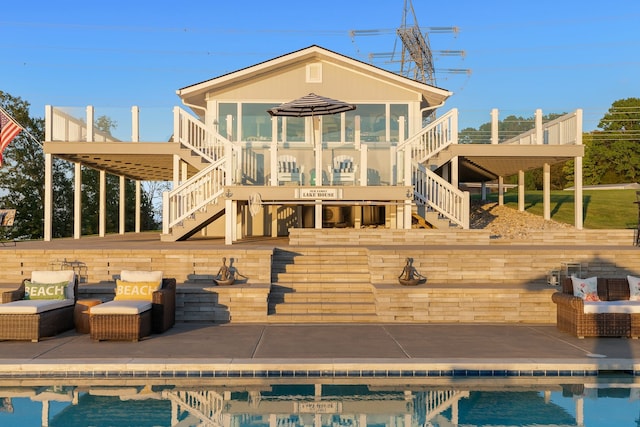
81, 314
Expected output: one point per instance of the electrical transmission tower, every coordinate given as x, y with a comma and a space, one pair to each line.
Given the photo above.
416, 60
416, 57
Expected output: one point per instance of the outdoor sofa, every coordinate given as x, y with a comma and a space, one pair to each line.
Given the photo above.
610, 308
144, 303
42, 306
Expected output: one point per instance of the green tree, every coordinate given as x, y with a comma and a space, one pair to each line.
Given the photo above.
612, 152
22, 177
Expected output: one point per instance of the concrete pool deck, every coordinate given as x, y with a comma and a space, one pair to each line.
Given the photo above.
326, 350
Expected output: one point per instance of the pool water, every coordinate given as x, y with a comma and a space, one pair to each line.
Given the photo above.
592, 403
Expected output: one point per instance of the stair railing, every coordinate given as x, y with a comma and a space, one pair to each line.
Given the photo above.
436, 192
433, 138
193, 134
194, 194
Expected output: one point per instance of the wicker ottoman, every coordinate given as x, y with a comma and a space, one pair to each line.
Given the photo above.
120, 320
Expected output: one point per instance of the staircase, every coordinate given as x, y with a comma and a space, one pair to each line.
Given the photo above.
321, 285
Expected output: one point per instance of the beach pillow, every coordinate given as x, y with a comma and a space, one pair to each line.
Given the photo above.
634, 288
587, 289
54, 277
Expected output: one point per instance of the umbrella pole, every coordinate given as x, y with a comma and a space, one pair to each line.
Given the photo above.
317, 145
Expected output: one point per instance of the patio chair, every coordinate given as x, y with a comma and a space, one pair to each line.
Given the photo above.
144, 302
343, 170
289, 170
42, 306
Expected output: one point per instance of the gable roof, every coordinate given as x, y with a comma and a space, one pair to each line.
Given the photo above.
194, 94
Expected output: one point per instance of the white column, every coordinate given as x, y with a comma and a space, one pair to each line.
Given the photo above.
90, 114
483, 190
102, 209
494, 126
521, 191
48, 197
546, 191
580, 411
500, 190
77, 201
138, 202
135, 124
121, 221
229, 227
45, 413
165, 212
318, 212
273, 209
274, 152
538, 118
176, 170
577, 176
228, 151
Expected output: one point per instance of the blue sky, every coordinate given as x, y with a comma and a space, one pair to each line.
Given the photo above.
554, 55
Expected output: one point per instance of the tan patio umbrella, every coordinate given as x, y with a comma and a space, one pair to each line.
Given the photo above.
312, 105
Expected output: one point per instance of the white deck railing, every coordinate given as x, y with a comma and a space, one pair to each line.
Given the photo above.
434, 137
66, 128
564, 130
434, 191
194, 194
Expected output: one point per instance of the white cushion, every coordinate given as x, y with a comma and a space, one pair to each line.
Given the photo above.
33, 306
55, 276
587, 289
141, 276
634, 288
121, 307
600, 307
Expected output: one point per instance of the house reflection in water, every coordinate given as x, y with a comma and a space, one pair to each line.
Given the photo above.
317, 405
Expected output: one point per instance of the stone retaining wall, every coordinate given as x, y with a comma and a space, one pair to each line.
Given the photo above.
383, 236
465, 283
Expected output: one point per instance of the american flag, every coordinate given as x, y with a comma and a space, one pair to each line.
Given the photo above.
8, 130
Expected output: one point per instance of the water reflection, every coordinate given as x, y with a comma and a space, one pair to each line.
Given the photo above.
594, 402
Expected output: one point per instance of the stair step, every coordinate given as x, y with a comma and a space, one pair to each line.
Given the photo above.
322, 278
313, 268
322, 318
320, 308
322, 297
299, 287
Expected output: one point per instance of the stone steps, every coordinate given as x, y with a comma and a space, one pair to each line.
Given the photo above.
323, 318
321, 285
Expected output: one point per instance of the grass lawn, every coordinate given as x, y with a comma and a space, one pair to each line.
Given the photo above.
601, 208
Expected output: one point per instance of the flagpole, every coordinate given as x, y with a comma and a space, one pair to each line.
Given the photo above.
10, 117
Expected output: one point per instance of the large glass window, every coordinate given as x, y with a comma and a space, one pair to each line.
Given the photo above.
372, 122
332, 128
397, 110
227, 109
293, 129
256, 122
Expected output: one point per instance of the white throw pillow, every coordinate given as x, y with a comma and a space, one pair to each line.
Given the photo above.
587, 289
634, 288
55, 276
141, 276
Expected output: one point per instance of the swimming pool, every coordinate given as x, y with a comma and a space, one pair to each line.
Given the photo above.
445, 402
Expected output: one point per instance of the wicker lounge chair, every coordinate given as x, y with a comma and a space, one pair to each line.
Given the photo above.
32, 320
132, 320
